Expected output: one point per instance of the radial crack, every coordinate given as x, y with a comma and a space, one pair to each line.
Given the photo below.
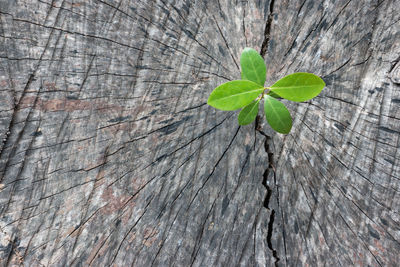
267, 30
268, 195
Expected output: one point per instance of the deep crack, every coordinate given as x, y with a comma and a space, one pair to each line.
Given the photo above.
267, 30
270, 167
269, 236
268, 170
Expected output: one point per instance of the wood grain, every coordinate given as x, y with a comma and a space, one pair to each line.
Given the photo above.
109, 155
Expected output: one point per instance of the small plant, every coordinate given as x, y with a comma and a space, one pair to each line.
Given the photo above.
248, 92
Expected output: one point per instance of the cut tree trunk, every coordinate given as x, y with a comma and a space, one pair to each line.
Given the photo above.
110, 156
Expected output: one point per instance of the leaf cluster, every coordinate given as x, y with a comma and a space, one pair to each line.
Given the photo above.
250, 90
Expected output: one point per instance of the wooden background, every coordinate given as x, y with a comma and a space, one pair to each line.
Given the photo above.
109, 155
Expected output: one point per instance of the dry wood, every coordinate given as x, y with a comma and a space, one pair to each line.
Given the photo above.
109, 155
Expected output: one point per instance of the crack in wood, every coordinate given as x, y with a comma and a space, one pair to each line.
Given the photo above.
268, 195
267, 30
264, 49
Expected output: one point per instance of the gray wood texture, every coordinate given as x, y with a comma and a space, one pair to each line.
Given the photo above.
109, 155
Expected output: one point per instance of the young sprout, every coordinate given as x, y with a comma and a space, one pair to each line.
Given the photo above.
248, 92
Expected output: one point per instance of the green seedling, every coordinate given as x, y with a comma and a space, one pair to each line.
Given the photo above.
248, 92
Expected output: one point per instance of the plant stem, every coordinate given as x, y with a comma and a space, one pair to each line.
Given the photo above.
266, 91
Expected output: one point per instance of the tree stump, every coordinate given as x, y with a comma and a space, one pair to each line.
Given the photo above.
110, 156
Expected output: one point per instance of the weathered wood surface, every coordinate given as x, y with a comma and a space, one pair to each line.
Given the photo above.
110, 156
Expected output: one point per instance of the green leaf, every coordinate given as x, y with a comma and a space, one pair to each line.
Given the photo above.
298, 87
248, 113
277, 115
235, 94
253, 66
